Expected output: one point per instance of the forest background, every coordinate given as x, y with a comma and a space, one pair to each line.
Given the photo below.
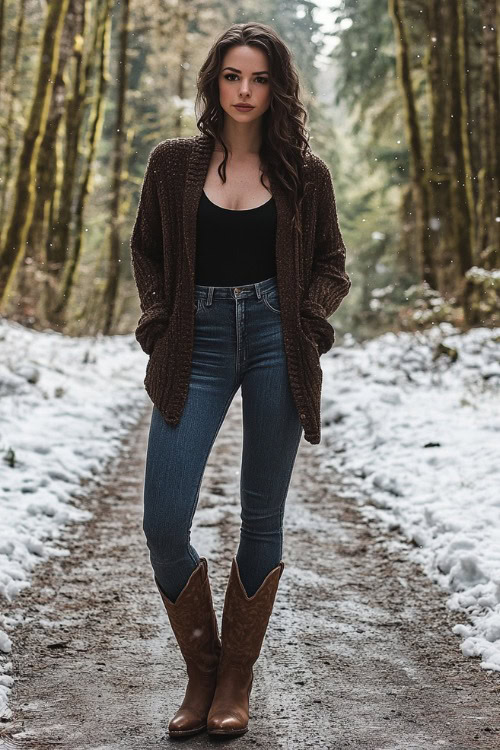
403, 104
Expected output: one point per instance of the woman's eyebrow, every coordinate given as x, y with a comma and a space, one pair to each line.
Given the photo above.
256, 73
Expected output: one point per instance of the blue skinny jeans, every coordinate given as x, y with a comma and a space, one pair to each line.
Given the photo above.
238, 342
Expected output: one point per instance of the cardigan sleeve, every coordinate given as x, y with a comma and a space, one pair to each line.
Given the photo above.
329, 281
146, 245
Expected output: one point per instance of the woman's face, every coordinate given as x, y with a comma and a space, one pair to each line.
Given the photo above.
244, 79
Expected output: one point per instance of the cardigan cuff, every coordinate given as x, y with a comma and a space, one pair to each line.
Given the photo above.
312, 307
316, 327
151, 325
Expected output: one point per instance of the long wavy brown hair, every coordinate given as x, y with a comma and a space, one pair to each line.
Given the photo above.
285, 139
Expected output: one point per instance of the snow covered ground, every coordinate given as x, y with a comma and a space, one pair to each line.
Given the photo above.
412, 421
415, 436
65, 405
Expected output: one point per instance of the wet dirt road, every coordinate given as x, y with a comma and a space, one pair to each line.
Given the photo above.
359, 652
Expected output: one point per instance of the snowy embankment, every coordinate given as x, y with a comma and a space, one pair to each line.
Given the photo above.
65, 406
412, 421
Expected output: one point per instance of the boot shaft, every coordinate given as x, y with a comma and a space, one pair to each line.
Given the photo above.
245, 619
193, 620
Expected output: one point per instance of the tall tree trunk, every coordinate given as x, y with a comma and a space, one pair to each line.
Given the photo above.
10, 98
183, 18
2, 14
408, 262
100, 51
461, 213
24, 189
418, 170
441, 237
461, 210
113, 269
464, 71
48, 171
57, 248
488, 206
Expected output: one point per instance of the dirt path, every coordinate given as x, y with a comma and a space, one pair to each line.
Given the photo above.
359, 652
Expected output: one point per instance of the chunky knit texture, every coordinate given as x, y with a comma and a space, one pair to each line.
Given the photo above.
311, 276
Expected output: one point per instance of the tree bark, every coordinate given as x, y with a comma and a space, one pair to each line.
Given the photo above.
488, 205
24, 189
57, 246
48, 181
2, 15
113, 270
100, 51
441, 234
417, 165
460, 209
10, 97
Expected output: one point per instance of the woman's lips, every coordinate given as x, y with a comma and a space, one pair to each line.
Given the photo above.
243, 107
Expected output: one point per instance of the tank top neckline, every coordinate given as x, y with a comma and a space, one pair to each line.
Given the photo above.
238, 210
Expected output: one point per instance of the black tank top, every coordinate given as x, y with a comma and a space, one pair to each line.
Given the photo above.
235, 247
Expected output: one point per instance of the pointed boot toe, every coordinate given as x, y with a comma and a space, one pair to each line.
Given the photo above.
185, 722
226, 722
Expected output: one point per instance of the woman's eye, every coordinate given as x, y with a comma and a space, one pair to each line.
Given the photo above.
259, 78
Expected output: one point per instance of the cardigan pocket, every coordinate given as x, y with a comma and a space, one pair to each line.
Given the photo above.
159, 356
152, 324
313, 380
317, 331
310, 340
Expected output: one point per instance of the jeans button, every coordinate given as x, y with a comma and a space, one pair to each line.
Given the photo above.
237, 289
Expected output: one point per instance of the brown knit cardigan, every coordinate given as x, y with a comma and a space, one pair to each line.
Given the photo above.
311, 275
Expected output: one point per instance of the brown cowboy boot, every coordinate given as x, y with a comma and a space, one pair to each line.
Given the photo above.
244, 625
194, 623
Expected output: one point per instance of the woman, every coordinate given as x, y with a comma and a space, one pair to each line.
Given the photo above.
239, 261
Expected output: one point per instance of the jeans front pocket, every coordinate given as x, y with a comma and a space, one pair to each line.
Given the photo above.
272, 300
198, 306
